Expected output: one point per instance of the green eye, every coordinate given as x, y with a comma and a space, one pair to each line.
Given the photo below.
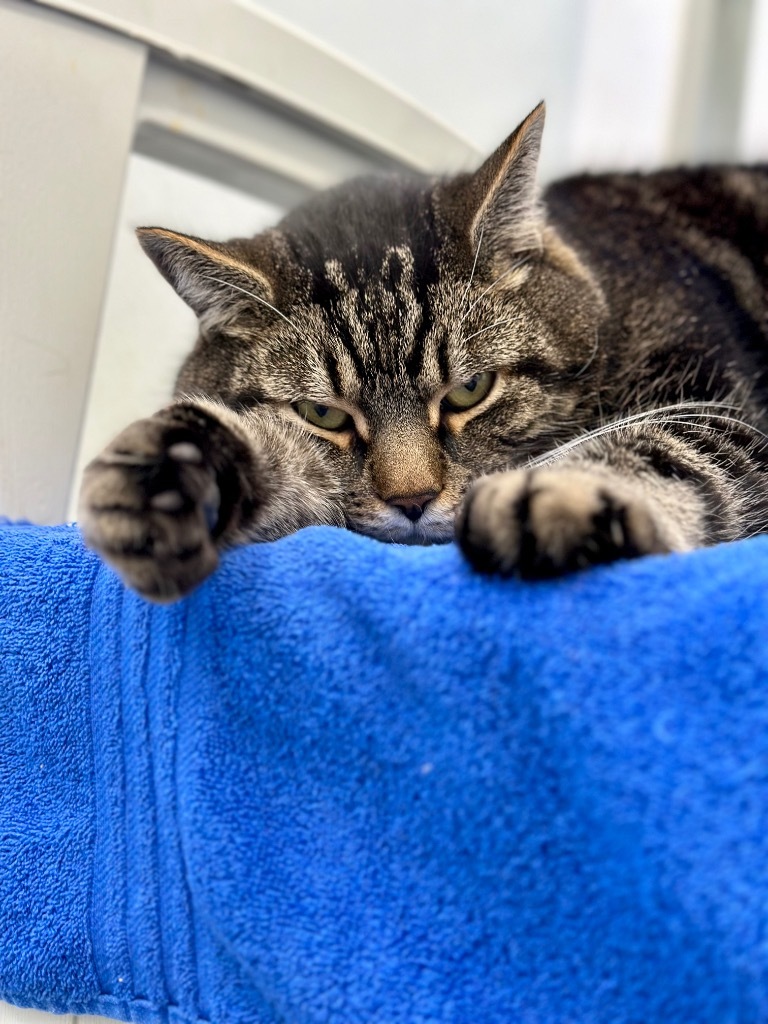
324, 416
471, 393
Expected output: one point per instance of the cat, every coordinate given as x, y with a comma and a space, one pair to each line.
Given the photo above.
558, 381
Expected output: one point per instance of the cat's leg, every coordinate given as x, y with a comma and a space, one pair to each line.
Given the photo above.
172, 491
638, 491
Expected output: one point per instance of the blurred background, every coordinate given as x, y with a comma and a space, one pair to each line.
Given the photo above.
213, 116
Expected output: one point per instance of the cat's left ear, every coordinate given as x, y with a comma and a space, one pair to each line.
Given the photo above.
215, 279
505, 216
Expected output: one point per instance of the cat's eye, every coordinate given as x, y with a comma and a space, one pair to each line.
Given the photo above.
325, 416
470, 393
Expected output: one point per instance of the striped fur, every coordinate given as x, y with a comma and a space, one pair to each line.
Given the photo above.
624, 321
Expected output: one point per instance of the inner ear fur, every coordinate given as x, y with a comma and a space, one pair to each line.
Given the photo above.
497, 210
213, 278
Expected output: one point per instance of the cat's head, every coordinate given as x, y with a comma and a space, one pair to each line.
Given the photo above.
423, 331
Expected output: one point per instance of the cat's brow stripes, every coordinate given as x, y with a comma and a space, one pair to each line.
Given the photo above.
442, 359
363, 311
414, 360
347, 339
332, 369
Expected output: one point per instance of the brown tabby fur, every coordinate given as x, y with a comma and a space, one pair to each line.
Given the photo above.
624, 321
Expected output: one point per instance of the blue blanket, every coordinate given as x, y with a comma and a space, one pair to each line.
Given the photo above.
346, 782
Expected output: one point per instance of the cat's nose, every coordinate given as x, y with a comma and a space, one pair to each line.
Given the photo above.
412, 505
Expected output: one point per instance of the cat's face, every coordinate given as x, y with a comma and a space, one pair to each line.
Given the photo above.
423, 332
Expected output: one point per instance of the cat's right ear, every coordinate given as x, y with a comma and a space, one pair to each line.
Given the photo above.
215, 281
497, 209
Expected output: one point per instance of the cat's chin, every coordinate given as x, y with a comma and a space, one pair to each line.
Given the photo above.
419, 533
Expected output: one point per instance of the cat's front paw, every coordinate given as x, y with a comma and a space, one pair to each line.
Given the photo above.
541, 523
154, 504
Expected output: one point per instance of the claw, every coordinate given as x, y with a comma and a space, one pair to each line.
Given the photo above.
185, 451
617, 533
167, 501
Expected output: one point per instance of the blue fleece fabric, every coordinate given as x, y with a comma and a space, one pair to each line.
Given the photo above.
346, 782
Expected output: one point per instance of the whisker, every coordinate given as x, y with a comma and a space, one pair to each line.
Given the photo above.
681, 412
490, 327
515, 266
474, 265
690, 422
759, 532
591, 359
251, 295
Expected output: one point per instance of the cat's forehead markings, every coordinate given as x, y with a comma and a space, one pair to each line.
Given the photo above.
395, 259
334, 272
398, 255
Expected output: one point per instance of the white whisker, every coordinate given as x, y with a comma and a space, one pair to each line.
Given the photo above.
474, 265
515, 266
682, 413
689, 421
251, 295
589, 361
490, 327
759, 532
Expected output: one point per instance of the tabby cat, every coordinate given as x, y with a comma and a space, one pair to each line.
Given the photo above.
557, 383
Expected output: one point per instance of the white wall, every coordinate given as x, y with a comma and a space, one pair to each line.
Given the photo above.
478, 65
628, 83
753, 124
57, 126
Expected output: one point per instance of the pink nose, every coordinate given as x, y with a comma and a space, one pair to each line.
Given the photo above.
413, 505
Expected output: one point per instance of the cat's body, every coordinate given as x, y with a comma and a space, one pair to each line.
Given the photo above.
391, 342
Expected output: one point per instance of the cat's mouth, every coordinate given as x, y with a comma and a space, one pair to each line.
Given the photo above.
394, 528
